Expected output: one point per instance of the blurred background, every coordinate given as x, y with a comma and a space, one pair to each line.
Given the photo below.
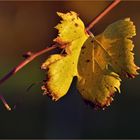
28, 26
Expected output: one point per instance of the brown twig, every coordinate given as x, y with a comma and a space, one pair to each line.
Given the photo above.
102, 14
25, 62
31, 56
5, 103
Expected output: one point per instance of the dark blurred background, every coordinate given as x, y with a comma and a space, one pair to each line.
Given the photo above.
29, 26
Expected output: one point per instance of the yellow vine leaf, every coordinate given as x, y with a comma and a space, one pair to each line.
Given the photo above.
61, 68
96, 82
99, 62
103, 60
70, 29
116, 41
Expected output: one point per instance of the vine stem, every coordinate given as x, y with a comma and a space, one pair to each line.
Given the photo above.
5, 103
31, 56
102, 14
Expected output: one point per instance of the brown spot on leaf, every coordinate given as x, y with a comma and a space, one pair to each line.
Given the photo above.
83, 47
87, 60
73, 19
76, 24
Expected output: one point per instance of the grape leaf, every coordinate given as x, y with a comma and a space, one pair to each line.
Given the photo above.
96, 82
99, 62
116, 41
102, 62
61, 68
70, 29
